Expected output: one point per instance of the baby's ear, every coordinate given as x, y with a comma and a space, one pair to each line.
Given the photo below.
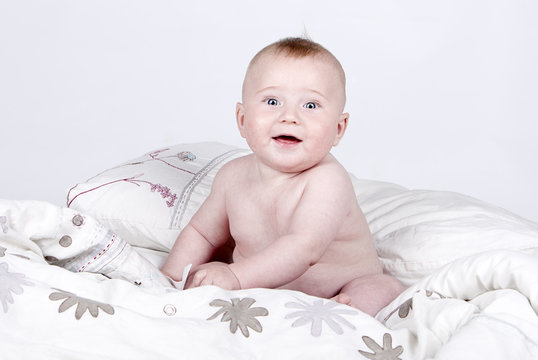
341, 128
240, 118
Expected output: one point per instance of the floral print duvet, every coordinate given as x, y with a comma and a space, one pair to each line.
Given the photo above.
72, 289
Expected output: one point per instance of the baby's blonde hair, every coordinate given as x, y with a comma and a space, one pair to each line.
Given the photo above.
296, 47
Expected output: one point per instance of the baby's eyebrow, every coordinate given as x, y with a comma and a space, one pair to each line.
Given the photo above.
276, 88
268, 88
319, 93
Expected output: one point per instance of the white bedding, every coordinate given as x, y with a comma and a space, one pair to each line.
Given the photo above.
481, 306
71, 288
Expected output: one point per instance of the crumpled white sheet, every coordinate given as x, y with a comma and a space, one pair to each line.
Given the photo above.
78, 243
482, 306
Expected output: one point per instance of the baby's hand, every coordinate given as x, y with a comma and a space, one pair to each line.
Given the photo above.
214, 273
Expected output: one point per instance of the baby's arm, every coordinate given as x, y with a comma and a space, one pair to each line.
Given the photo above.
316, 222
207, 231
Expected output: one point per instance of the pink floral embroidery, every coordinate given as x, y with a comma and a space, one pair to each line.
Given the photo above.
183, 156
163, 190
165, 193
186, 156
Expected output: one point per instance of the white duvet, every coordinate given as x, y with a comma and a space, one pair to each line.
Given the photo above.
72, 289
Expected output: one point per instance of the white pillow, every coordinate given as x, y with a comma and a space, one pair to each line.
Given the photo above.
148, 200
419, 231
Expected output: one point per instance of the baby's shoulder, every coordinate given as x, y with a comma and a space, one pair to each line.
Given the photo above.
329, 174
236, 165
329, 168
233, 170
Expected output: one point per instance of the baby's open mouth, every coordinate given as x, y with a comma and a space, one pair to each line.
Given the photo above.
287, 139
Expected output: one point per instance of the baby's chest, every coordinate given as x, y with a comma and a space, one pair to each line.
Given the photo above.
261, 217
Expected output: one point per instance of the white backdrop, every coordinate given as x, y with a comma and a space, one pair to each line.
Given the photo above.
442, 94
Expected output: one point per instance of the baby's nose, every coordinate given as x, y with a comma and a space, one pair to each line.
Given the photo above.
289, 116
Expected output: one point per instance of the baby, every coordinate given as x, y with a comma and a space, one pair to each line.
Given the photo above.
289, 206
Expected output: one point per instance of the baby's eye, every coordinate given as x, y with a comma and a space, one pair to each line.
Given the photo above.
272, 102
310, 105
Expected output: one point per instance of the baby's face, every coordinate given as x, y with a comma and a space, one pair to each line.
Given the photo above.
291, 115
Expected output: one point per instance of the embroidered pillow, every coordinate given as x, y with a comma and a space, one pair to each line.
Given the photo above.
148, 200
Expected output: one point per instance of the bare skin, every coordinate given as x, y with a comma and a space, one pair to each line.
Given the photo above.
290, 206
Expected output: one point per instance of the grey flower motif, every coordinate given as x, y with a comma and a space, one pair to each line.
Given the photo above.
240, 314
381, 353
3, 224
405, 308
317, 313
10, 283
83, 304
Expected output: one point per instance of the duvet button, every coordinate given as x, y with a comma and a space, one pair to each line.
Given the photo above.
66, 241
78, 220
169, 310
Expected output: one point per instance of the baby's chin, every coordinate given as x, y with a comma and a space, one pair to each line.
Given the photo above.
288, 166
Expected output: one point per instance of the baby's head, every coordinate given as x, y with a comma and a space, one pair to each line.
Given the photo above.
292, 104
297, 48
